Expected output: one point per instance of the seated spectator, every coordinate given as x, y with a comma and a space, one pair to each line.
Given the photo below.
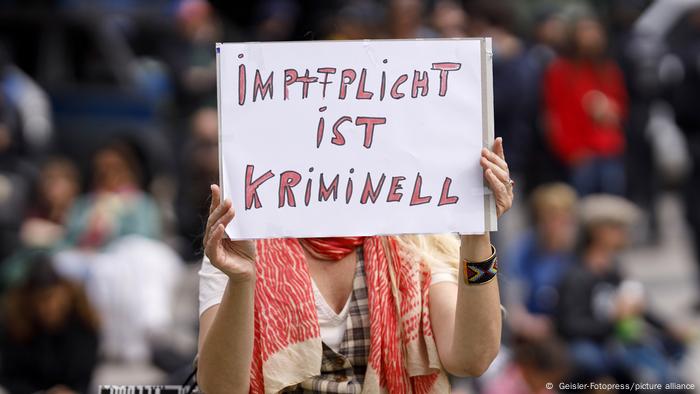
534, 365
43, 227
601, 314
113, 246
540, 259
585, 107
117, 205
49, 335
58, 188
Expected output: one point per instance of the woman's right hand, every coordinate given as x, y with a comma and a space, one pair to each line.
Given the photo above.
234, 258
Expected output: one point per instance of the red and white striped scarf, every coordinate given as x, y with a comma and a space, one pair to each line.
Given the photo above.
287, 347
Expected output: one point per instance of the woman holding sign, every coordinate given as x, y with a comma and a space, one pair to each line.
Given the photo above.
349, 315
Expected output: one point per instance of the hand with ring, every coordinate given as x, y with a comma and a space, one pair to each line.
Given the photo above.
497, 176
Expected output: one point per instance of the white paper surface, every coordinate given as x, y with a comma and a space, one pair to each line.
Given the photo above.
436, 136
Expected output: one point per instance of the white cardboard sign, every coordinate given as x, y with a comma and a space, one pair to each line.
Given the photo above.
351, 138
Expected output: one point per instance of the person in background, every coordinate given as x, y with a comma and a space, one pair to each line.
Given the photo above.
511, 76
201, 28
540, 163
43, 224
358, 20
603, 315
31, 103
540, 260
117, 205
405, 20
201, 162
548, 36
49, 335
535, 363
644, 60
277, 20
449, 19
685, 99
17, 175
58, 188
585, 105
114, 246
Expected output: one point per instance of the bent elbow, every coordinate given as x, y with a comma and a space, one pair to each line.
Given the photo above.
476, 366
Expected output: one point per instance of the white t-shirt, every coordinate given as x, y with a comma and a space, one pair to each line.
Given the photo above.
212, 283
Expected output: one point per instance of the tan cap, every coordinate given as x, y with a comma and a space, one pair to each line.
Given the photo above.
605, 208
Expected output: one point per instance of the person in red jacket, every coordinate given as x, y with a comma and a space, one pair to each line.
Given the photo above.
585, 106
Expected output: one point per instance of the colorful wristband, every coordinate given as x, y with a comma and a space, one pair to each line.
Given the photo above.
477, 273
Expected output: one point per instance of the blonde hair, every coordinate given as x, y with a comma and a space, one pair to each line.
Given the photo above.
553, 197
439, 251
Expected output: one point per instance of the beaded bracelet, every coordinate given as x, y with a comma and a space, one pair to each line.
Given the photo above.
478, 273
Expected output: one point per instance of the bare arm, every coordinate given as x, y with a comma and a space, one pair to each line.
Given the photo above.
466, 319
226, 342
226, 330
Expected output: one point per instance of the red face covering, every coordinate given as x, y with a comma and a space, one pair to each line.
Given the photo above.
331, 248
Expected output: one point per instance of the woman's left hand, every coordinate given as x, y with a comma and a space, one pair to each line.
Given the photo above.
497, 175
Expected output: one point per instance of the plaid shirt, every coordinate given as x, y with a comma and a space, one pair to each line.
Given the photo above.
344, 371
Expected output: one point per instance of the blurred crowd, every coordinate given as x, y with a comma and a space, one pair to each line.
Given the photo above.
108, 145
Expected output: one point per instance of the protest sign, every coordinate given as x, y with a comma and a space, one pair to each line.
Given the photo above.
350, 138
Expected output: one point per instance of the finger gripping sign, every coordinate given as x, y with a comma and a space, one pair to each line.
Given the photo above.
351, 138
